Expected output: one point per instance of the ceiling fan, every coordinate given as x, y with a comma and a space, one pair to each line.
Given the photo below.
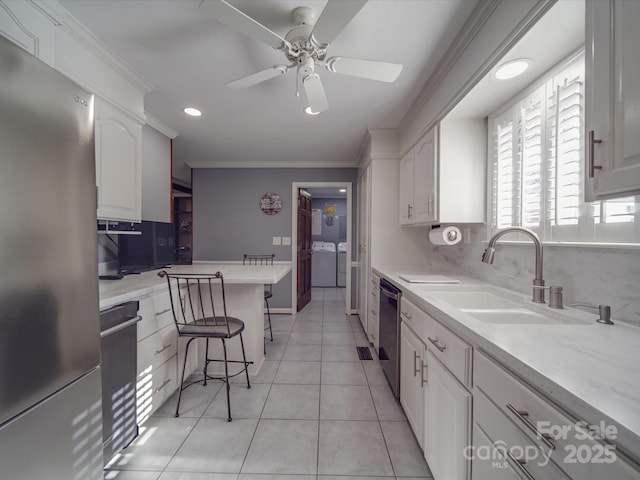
305, 47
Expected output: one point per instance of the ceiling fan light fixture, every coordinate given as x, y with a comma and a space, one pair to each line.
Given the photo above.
192, 112
512, 69
308, 111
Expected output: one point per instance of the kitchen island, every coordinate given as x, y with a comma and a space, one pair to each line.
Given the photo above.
244, 288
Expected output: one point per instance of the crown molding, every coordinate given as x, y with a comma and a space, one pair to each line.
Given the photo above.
477, 20
204, 164
161, 127
479, 16
63, 19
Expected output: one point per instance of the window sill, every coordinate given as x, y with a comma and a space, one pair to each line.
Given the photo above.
612, 246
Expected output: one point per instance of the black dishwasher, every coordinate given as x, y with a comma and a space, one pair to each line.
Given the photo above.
119, 336
390, 333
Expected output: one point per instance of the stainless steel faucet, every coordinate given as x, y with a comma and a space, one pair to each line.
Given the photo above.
538, 282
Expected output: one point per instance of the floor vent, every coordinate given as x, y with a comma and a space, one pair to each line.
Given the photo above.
364, 353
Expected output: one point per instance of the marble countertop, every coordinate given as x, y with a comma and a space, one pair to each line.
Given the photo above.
113, 292
592, 370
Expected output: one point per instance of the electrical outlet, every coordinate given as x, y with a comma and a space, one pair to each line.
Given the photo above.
277, 240
286, 240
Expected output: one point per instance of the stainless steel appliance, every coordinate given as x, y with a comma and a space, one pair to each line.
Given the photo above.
390, 333
50, 401
119, 337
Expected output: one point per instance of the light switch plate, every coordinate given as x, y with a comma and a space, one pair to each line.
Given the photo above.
286, 240
277, 240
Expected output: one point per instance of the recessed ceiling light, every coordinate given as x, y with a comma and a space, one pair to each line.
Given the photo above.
194, 112
511, 69
343, 190
308, 111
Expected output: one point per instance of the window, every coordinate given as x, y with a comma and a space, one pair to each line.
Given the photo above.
537, 161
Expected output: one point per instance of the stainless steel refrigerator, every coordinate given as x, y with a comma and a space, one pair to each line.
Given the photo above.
50, 401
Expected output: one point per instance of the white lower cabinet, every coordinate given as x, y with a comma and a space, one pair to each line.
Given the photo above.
412, 379
537, 438
447, 421
160, 354
373, 321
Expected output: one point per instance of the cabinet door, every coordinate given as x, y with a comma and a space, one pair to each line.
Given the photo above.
612, 99
118, 163
405, 203
424, 180
447, 423
25, 26
412, 396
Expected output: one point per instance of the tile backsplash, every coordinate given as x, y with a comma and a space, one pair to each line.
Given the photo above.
588, 274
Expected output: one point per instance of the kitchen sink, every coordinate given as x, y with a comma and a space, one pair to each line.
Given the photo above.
475, 299
520, 316
490, 305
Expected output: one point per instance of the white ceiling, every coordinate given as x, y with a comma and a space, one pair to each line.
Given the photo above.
188, 57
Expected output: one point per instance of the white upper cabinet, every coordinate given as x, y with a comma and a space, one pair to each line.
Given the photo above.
26, 26
118, 140
442, 178
417, 201
612, 99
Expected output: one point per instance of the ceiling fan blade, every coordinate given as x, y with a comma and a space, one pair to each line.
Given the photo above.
233, 18
315, 93
258, 77
335, 16
371, 69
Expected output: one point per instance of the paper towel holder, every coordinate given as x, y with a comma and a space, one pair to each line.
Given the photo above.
451, 235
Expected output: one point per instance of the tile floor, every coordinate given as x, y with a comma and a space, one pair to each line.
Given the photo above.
315, 412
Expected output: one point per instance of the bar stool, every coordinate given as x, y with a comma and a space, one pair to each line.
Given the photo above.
268, 288
194, 298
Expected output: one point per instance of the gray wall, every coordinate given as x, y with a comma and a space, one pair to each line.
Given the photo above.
337, 232
228, 222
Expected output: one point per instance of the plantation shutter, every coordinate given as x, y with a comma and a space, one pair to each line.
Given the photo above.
503, 171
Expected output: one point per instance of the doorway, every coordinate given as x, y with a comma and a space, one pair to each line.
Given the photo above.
347, 187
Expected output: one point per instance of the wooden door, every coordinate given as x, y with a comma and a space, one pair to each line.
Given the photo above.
304, 249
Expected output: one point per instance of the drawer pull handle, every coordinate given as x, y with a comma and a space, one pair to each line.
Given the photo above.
424, 377
435, 341
406, 315
415, 364
522, 416
520, 463
158, 352
373, 311
164, 384
163, 312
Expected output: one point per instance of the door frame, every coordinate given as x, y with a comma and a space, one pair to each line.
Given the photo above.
294, 236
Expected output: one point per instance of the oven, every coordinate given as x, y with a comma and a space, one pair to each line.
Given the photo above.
389, 319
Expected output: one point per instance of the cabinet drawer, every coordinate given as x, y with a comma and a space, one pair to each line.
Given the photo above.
509, 446
452, 351
576, 452
156, 314
421, 323
154, 387
156, 349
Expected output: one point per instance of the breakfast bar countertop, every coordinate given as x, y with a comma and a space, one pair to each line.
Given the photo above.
114, 292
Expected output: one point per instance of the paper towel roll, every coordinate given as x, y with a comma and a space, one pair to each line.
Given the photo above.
445, 235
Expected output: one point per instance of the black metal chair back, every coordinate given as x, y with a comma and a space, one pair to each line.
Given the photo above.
198, 304
258, 259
